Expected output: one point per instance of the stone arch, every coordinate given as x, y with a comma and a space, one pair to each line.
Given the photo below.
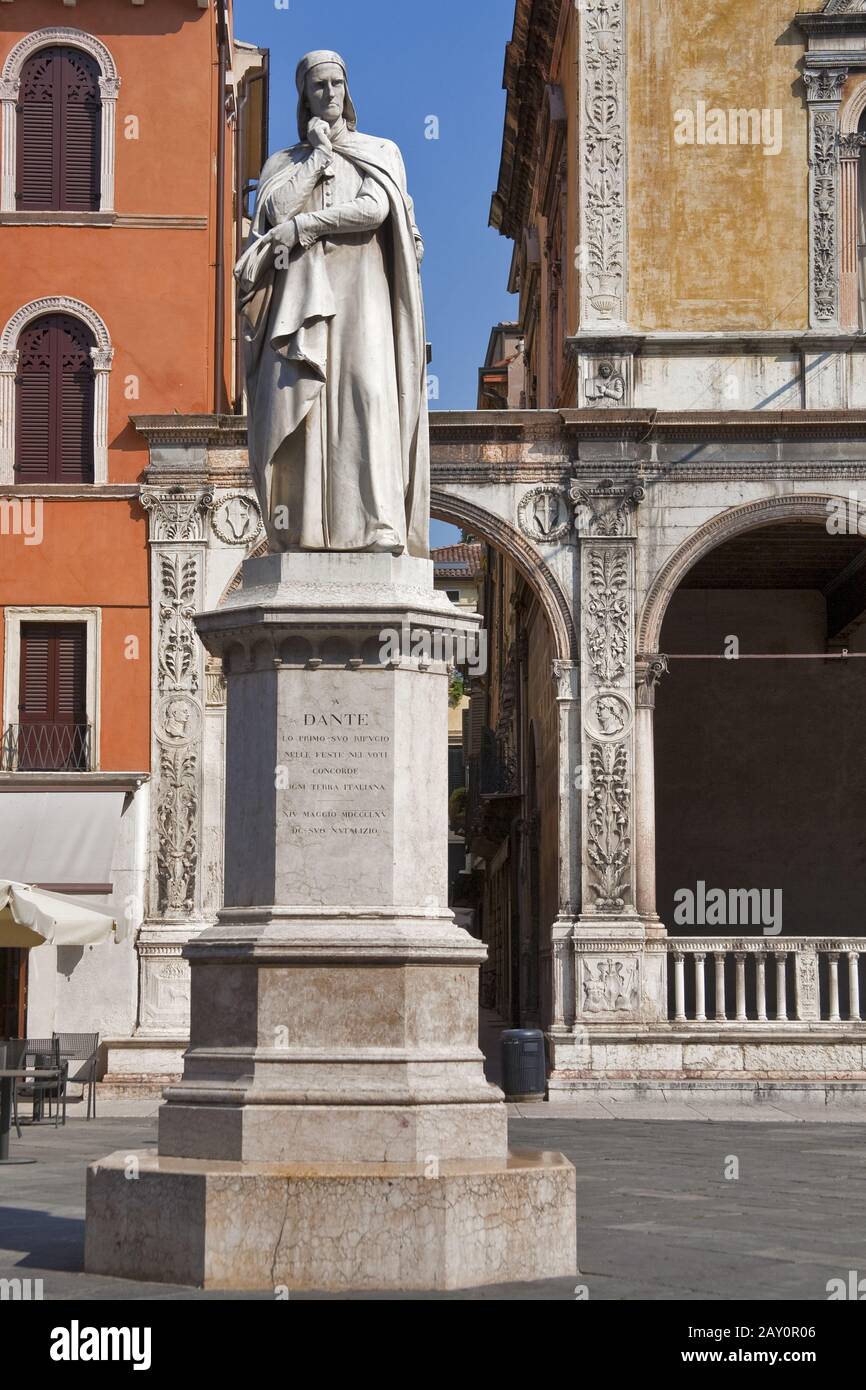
718, 529
102, 354
852, 109
109, 86
55, 304
446, 506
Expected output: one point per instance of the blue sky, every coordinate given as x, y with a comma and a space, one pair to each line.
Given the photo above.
409, 60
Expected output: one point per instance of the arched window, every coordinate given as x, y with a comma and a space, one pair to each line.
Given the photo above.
59, 132
54, 406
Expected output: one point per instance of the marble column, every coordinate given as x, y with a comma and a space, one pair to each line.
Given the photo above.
648, 672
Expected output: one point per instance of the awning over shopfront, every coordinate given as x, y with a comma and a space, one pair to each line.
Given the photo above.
29, 917
60, 840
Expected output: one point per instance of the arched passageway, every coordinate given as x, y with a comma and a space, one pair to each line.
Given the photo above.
760, 754
510, 890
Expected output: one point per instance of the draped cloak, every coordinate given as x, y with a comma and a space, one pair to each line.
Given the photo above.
289, 316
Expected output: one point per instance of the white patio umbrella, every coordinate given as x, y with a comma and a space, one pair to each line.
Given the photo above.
31, 916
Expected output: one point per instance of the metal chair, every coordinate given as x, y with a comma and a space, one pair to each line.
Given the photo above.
44, 1054
84, 1048
12, 1057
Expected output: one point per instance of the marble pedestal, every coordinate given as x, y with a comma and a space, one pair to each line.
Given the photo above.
333, 1127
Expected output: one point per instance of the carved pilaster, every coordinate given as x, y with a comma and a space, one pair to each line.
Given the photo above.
824, 93
603, 281
806, 983
607, 623
178, 519
605, 508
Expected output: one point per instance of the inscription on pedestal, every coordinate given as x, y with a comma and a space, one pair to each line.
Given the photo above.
335, 791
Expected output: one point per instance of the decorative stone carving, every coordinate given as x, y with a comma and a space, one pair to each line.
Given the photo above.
608, 715
825, 277
603, 164
177, 831
649, 673
178, 532
606, 509
176, 515
605, 385
236, 519
165, 990
177, 659
543, 514
824, 93
608, 613
806, 982
179, 720
215, 685
824, 84
851, 143
609, 825
609, 985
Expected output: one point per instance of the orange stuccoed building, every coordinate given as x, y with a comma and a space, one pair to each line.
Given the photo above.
132, 134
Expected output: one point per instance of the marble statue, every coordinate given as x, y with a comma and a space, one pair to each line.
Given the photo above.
334, 338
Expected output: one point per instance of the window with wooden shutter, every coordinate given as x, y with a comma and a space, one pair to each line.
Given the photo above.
52, 731
59, 132
54, 388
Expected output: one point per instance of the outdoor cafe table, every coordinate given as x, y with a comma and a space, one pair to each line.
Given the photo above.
8, 1077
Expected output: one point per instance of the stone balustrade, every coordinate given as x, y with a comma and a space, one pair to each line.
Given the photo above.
765, 980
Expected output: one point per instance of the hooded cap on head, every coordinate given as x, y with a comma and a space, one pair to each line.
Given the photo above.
307, 63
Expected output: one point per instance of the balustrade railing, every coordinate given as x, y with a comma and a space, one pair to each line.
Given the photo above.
780, 980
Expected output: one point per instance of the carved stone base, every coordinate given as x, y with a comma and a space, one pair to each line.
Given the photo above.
616, 979
331, 1227
334, 1006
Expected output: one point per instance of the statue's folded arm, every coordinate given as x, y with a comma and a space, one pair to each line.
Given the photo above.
295, 186
364, 213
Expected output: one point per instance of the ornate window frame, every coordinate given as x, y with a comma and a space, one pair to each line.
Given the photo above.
91, 617
10, 82
102, 355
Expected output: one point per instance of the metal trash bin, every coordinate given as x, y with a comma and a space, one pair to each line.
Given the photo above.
524, 1073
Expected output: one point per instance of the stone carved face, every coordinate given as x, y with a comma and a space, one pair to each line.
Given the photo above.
610, 716
176, 719
325, 90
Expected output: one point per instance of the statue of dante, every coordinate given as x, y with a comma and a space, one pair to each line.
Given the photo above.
334, 338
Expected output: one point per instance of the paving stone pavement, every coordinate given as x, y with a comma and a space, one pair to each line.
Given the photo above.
657, 1218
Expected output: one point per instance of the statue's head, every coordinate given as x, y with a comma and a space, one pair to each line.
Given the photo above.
323, 91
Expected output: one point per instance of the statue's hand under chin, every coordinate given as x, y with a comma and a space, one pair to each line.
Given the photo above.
319, 135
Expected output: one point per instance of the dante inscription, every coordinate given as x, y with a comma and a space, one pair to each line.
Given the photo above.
335, 766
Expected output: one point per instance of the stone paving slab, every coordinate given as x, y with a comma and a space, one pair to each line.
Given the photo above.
657, 1219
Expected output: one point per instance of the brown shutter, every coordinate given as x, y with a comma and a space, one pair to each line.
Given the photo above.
37, 691
36, 142
79, 132
54, 402
53, 697
59, 132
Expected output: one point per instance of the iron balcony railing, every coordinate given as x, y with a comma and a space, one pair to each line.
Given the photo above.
45, 747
